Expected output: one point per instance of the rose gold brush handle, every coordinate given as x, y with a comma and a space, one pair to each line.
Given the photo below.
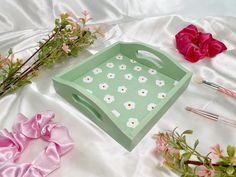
227, 92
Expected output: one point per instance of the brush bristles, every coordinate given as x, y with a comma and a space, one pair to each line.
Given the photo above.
198, 79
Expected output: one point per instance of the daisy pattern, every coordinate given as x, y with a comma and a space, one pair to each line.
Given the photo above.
119, 57
160, 83
109, 98
129, 105
110, 75
137, 68
103, 86
175, 83
116, 113
132, 61
122, 67
152, 71
132, 123
142, 79
142, 92
88, 79
151, 106
161, 95
97, 70
110, 65
90, 91
122, 89
128, 76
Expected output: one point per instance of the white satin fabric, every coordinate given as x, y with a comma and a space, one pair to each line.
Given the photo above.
23, 23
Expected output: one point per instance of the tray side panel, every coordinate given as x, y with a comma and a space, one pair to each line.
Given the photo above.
103, 122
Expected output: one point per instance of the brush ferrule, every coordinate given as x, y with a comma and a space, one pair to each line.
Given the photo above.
210, 84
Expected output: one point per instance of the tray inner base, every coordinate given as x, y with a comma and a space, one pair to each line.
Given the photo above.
129, 89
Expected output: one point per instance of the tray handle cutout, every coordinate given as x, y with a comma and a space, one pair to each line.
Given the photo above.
150, 57
87, 105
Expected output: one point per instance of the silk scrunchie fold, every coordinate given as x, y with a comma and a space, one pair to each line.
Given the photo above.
12, 144
195, 45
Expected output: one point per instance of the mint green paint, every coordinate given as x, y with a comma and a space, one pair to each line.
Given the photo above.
92, 87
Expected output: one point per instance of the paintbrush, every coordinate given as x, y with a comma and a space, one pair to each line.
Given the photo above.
200, 80
212, 116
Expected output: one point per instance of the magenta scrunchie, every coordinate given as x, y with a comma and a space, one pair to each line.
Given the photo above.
196, 45
12, 144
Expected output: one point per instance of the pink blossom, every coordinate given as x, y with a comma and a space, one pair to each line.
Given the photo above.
65, 48
89, 18
161, 144
73, 38
81, 19
205, 172
173, 151
69, 13
85, 13
162, 162
11, 56
97, 29
216, 152
74, 27
2, 57
85, 29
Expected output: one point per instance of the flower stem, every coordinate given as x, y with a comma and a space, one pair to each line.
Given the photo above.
192, 162
12, 74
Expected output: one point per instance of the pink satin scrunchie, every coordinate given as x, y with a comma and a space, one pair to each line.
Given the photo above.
196, 45
12, 144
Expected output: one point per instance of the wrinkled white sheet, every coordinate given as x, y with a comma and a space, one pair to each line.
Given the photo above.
23, 23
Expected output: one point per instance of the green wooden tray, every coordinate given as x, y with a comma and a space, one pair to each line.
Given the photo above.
123, 89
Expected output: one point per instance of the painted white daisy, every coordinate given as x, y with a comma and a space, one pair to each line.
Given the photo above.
109, 98
88, 79
90, 91
122, 89
128, 76
122, 67
103, 86
129, 105
132, 61
111, 75
137, 68
142, 79
160, 83
151, 106
119, 57
116, 113
152, 71
175, 83
132, 123
110, 65
142, 92
97, 70
161, 95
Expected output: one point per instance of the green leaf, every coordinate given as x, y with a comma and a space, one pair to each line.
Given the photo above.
74, 52
186, 156
231, 151
10, 51
196, 144
187, 132
230, 170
